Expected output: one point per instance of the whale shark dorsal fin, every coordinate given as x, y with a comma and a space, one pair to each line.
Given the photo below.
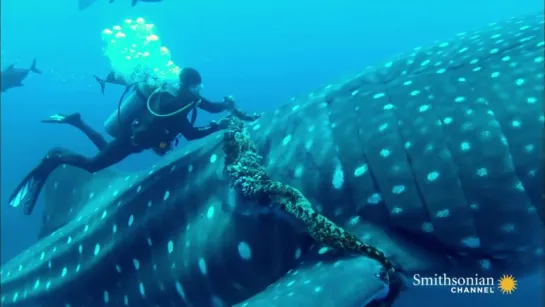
68, 191
12, 66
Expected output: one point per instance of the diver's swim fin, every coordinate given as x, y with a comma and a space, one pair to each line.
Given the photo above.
27, 192
102, 83
73, 119
33, 68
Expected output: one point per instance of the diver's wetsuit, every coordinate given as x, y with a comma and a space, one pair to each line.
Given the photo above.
179, 123
148, 132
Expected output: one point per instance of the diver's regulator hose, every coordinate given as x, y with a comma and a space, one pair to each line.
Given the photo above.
148, 103
160, 90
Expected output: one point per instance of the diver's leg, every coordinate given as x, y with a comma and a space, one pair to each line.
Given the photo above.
27, 192
76, 121
95, 137
111, 153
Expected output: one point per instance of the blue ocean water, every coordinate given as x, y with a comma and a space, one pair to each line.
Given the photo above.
263, 53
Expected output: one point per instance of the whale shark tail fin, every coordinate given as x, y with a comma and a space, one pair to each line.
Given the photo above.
68, 192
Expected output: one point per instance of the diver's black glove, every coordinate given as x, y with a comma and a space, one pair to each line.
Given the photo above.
221, 124
229, 101
245, 116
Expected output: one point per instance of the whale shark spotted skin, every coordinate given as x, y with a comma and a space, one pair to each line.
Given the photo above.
434, 157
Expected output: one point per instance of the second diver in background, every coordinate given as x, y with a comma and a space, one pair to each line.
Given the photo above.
148, 131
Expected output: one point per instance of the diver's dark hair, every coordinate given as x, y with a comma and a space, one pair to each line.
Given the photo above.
190, 77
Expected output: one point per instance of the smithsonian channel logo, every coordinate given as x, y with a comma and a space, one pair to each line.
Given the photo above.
468, 285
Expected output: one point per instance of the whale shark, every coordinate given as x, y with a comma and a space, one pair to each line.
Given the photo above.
433, 157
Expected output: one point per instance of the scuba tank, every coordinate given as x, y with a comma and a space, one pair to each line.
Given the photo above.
132, 104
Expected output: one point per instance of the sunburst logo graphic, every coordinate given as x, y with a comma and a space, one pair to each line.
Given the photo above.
507, 284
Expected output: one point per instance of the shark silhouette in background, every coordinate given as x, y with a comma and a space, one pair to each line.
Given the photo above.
111, 78
434, 157
83, 4
13, 77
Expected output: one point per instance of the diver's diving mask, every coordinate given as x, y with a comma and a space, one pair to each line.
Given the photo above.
197, 89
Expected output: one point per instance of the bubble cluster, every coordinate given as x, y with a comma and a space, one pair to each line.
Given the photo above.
135, 52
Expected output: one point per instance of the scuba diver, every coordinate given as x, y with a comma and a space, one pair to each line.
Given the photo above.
156, 128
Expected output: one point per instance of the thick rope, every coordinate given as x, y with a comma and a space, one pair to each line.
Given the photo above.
249, 178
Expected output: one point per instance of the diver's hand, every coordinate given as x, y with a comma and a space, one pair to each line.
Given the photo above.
245, 116
229, 101
221, 124
253, 116
73, 118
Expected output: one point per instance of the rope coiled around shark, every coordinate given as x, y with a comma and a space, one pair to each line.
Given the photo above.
249, 178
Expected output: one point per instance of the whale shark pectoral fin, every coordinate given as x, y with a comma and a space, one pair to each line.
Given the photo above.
350, 282
67, 191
